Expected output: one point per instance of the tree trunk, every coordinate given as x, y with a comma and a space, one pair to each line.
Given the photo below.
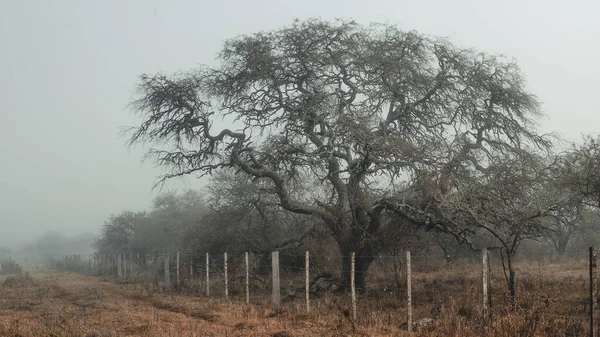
561, 245
511, 279
445, 252
363, 259
509, 274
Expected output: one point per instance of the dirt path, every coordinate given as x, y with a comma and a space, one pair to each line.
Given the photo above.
76, 305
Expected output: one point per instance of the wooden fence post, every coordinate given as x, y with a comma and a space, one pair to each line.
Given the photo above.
125, 266
593, 293
167, 273
247, 278
191, 269
408, 292
225, 272
155, 267
131, 264
352, 283
484, 286
177, 272
119, 271
207, 275
276, 294
307, 280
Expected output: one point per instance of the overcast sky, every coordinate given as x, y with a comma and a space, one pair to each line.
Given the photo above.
68, 70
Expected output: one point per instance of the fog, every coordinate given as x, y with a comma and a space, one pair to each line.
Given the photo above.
68, 70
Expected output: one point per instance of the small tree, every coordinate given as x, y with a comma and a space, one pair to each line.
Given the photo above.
563, 225
161, 229
243, 217
578, 171
118, 231
354, 109
508, 202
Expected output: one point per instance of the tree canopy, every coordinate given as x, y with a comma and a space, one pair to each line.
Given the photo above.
355, 109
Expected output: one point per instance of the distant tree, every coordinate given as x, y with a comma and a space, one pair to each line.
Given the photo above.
244, 218
10, 267
564, 224
118, 231
171, 216
161, 229
54, 243
355, 109
588, 231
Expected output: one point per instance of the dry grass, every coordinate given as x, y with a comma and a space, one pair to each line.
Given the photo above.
551, 302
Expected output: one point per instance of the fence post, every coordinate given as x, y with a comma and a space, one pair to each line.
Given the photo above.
247, 278
593, 293
119, 271
167, 273
177, 272
191, 269
276, 295
207, 275
225, 270
155, 267
307, 281
408, 292
124, 266
352, 284
484, 287
131, 264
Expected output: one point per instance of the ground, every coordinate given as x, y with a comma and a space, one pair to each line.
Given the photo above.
76, 305
446, 302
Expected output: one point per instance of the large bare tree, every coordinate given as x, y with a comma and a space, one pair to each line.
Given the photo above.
354, 109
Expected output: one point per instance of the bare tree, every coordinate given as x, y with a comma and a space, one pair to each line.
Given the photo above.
353, 109
510, 203
579, 169
564, 223
160, 229
244, 217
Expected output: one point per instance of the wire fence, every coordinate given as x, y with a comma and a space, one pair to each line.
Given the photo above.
412, 292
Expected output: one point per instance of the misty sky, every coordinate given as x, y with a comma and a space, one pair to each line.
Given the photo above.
68, 70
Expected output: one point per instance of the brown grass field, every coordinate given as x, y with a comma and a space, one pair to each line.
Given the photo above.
552, 301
